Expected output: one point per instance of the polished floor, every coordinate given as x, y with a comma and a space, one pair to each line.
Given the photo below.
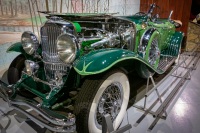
183, 112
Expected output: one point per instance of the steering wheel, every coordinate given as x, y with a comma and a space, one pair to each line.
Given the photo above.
151, 16
154, 17
140, 14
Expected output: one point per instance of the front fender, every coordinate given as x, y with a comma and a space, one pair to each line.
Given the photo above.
16, 47
101, 60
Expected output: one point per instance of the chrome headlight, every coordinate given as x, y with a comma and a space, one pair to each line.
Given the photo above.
66, 47
30, 42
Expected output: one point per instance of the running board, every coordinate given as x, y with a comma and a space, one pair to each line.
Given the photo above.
166, 62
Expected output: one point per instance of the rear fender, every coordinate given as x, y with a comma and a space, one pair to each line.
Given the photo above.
175, 45
102, 60
176, 42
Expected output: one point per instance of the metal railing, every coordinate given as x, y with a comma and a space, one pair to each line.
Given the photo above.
188, 63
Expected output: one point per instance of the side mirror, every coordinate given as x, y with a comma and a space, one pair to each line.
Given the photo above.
170, 15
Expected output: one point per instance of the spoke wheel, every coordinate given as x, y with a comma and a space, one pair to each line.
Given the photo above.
154, 52
151, 55
110, 102
99, 96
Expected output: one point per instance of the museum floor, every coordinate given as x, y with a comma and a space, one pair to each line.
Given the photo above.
183, 113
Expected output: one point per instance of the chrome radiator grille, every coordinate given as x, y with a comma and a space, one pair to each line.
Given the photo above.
49, 34
52, 63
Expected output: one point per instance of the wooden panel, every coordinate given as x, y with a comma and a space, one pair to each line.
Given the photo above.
144, 5
181, 10
186, 15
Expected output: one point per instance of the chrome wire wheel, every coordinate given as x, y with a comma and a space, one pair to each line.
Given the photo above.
111, 98
101, 95
154, 52
110, 102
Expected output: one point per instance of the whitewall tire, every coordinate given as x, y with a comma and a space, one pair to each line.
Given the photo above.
106, 95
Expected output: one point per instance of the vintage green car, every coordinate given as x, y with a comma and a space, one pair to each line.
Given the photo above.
75, 72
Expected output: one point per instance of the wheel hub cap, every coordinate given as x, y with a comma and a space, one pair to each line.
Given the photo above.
110, 102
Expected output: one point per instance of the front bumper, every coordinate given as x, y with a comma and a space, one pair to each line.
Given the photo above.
41, 116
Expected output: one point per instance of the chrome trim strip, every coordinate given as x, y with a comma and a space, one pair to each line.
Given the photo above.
53, 63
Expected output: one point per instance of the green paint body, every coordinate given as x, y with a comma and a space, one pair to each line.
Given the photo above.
16, 47
101, 60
